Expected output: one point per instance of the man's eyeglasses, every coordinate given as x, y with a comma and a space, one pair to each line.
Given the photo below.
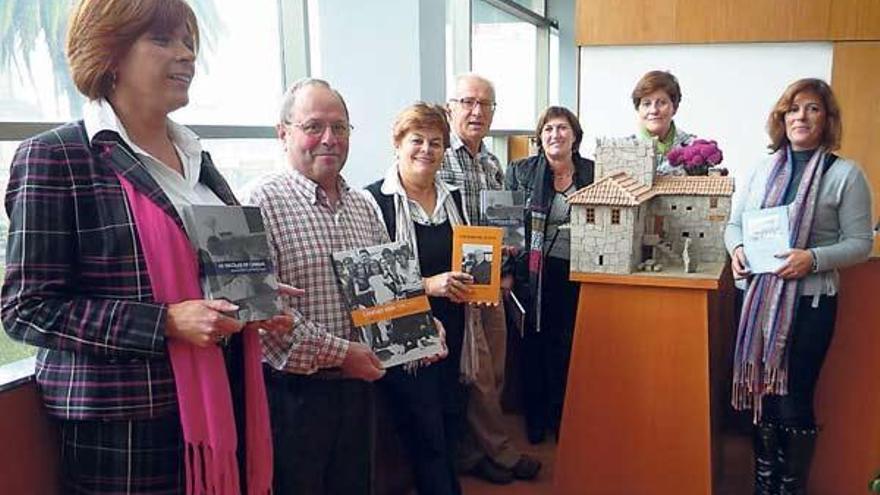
317, 128
470, 103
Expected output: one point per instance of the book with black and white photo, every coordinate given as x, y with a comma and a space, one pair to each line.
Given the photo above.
505, 209
235, 263
765, 235
383, 288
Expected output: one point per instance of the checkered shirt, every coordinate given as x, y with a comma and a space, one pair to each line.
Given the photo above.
303, 232
471, 175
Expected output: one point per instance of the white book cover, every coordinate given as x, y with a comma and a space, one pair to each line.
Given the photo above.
765, 234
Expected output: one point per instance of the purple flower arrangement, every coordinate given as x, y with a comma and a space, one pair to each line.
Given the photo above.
697, 157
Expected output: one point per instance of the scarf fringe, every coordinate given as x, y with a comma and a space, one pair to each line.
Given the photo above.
202, 474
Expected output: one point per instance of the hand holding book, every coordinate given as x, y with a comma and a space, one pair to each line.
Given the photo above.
454, 286
798, 263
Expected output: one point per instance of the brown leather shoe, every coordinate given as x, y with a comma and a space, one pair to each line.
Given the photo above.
526, 468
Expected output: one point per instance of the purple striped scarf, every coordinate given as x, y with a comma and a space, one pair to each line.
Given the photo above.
760, 364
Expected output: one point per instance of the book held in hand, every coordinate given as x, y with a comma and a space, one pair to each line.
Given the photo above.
234, 258
765, 234
383, 288
505, 209
477, 251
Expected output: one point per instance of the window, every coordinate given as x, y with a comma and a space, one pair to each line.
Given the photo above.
688, 208
509, 42
591, 215
685, 234
615, 216
601, 260
674, 207
702, 235
713, 202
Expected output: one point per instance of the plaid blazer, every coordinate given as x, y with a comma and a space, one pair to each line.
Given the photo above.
76, 282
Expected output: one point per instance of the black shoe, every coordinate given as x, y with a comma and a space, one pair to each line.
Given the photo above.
489, 471
526, 468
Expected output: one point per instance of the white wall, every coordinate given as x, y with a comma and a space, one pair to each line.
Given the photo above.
727, 90
382, 56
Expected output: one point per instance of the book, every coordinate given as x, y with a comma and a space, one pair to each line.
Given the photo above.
505, 209
477, 251
383, 288
234, 259
765, 234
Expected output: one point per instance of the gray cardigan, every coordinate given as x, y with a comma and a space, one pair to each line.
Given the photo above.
841, 233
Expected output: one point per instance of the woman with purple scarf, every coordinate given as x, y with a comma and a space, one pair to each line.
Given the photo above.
788, 316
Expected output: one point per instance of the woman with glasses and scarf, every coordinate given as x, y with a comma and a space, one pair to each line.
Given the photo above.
788, 316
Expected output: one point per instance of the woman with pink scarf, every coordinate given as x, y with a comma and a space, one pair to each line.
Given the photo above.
154, 389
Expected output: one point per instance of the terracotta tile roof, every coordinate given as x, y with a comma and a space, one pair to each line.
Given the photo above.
693, 186
619, 189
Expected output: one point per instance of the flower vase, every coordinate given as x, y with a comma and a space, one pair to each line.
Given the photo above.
698, 170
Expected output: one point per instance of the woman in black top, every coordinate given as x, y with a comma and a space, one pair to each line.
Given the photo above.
428, 403
547, 179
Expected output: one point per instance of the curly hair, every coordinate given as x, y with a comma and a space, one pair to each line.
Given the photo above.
833, 123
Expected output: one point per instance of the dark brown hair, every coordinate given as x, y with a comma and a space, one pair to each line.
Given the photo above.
833, 123
421, 115
102, 31
657, 80
555, 112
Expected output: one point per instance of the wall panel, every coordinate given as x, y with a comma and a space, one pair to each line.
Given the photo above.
632, 22
855, 76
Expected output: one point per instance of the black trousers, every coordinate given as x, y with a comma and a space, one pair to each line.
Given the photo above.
428, 412
808, 344
322, 433
545, 354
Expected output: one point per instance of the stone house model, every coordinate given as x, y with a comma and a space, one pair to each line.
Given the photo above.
629, 216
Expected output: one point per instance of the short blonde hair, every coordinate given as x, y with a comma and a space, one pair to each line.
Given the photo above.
421, 115
833, 129
102, 31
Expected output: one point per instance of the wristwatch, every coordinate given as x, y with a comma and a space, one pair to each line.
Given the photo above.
814, 267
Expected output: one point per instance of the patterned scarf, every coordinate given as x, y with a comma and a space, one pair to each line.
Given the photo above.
406, 232
539, 207
761, 358
203, 394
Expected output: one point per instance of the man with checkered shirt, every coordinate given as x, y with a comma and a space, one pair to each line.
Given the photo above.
318, 375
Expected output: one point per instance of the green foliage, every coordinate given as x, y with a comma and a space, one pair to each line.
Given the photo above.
25, 23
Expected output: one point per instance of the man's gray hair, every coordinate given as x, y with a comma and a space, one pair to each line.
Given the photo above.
473, 76
296, 87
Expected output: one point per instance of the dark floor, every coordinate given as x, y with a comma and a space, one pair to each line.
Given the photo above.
735, 475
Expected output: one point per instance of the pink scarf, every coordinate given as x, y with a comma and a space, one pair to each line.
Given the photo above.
206, 413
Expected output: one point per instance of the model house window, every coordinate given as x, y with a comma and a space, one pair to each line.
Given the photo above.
591, 215
702, 235
689, 208
601, 260
615, 216
674, 207
713, 202
685, 234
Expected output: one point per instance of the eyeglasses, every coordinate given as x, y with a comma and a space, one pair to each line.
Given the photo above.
317, 128
470, 103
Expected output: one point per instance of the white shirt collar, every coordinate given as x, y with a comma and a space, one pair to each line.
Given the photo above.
98, 115
392, 186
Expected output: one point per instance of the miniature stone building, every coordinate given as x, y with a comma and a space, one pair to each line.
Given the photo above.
629, 215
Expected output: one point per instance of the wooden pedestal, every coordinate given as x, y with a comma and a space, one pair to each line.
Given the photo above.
643, 401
